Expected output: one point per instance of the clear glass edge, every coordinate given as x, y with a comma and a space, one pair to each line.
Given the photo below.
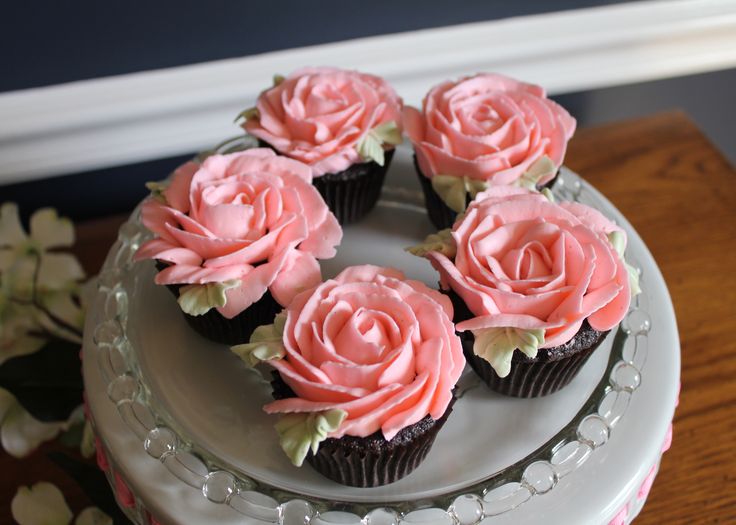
482, 494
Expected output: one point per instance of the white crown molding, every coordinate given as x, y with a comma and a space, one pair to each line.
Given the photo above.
142, 116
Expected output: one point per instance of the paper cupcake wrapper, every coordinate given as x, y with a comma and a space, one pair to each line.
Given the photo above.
352, 193
441, 215
551, 370
371, 461
528, 379
215, 327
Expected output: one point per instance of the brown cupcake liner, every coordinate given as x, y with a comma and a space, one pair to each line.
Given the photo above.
552, 368
371, 461
215, 327
528, 379
352, 193
441, 215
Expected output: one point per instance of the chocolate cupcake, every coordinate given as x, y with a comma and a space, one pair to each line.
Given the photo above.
344, 124
236, 237
547, 372
365, 367
536, 286
481, 131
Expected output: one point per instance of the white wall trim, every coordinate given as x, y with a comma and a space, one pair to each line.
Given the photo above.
142, 116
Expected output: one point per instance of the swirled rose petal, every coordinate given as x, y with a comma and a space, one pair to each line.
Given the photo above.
487, 127
370, 343
251, 216
527, 263
318, 116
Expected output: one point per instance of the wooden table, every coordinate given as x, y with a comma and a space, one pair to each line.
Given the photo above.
679, 192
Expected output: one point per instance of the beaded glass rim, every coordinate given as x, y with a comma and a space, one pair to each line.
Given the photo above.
536, 474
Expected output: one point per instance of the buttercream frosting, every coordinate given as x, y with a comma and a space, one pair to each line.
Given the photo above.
370, 343
487, 127
526, 263
321, 116
251, 219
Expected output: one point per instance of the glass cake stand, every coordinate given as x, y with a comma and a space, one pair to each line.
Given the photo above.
184, 438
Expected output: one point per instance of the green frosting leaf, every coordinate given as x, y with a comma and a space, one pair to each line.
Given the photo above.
618, 241
539, 169
198, 299
157, 190
497, 345
633, 279
248, 114
278, 79
298, 433
441, 241
370, 149
266, 343
387, 133
371, 145
454, 190
548, 194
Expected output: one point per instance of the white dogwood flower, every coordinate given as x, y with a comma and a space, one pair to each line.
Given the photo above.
39, 287
44, 504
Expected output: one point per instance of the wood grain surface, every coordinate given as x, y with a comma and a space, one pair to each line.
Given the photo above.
679, 193
676, 190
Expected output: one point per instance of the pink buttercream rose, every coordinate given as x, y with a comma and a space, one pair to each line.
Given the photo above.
373, 344
528, 263
319, 115
487, 127
250, 216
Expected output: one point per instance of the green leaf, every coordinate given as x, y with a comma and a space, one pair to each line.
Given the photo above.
370, 149
618, 241
266, 343
539, 169
157, 190
454, 190
441, 241
298, 433
278, 79
387, 133
248, 114
497, 345
41, 504
633, 279
548, 194
198, 299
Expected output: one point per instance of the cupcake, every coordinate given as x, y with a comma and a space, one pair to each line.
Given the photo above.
236, 238
343, 124
365, 367
536, 286
481, 131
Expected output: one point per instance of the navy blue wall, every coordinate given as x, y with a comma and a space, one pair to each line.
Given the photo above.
50, 42
706, 98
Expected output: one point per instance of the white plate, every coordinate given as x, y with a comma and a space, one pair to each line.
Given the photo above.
202, 393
